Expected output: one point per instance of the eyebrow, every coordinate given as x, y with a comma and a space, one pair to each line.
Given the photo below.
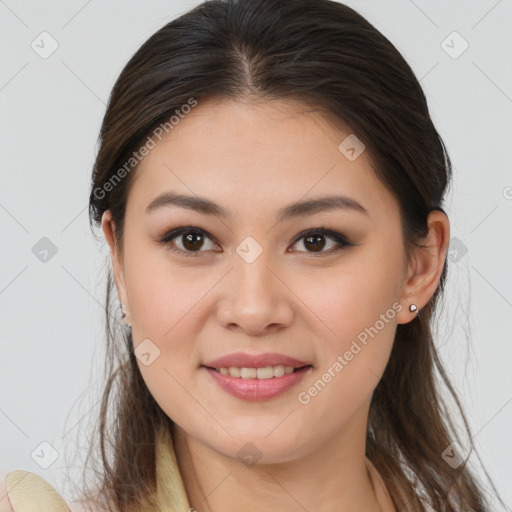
298, 209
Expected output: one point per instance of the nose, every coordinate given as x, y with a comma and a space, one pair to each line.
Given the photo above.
255, 298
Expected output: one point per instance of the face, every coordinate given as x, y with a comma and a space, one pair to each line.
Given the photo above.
321, 285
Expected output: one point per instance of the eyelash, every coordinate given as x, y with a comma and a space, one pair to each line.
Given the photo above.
334, 235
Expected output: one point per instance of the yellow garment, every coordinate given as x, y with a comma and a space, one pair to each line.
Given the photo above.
171, 494
28, 492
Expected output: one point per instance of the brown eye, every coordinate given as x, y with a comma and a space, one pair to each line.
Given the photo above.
314, 240
192, 241
189, 240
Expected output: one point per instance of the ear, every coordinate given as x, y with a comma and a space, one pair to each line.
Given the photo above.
108, 227
426, 266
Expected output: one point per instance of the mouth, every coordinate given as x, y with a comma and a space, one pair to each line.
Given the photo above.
257, 384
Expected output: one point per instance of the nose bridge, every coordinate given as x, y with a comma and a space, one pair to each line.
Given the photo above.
252, 262
256, 297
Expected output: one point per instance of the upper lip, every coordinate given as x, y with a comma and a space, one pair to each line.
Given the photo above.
241, 360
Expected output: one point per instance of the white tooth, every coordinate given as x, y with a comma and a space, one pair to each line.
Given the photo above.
278, 371
248, 373
265, 373
234, 372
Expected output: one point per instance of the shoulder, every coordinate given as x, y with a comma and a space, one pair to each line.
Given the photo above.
22, 491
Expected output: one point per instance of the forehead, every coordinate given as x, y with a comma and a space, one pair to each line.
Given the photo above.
257, 155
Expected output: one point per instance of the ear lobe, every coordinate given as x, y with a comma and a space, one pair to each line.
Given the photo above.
426, 266
108, 227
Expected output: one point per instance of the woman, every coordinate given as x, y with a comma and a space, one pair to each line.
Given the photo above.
270, 186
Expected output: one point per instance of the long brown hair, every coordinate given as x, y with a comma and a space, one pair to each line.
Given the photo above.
326, 55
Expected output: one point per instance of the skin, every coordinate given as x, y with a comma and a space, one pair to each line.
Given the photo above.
253, 159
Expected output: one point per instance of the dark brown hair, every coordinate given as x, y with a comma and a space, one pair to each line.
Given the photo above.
324, 54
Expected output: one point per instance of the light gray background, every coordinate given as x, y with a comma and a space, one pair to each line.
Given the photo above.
51, 110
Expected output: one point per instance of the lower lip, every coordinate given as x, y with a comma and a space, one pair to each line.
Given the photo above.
258, 389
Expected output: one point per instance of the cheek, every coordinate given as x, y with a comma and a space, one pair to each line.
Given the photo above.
358, 307
350, 366
164, 305
162, 294
352, 297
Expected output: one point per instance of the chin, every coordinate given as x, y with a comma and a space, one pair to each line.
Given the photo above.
258, 447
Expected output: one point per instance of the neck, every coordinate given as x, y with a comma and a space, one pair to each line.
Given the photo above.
332, 477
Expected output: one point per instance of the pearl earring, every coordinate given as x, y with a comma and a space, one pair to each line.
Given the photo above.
413, 308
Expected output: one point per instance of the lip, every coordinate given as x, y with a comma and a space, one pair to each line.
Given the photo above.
241, 360
258, 389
